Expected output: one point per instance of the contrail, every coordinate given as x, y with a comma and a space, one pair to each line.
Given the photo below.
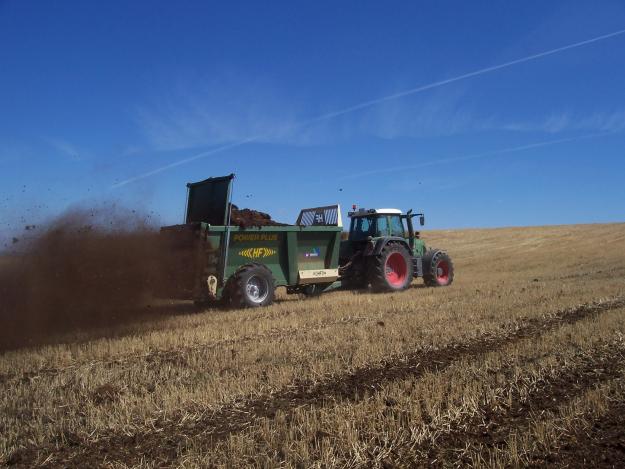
373, 102
185, 161
475, 156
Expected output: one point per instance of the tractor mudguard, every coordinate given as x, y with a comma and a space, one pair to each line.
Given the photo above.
382, 242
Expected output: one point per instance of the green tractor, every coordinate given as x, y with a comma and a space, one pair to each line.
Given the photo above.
384, 250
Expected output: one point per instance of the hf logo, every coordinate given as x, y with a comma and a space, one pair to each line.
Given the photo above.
257, 253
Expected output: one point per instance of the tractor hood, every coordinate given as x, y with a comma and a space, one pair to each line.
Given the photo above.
207, 200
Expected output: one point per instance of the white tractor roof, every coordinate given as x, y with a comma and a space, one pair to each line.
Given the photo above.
379, 211
388, 211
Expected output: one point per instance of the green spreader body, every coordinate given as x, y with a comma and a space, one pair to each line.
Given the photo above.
297, 255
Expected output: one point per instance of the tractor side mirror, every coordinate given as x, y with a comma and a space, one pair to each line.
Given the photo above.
422, 220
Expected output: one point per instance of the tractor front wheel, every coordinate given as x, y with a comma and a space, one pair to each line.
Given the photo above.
438, 269
251, 286
392, 269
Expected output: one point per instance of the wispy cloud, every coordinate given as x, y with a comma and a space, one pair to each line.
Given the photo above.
569, 121
130, 150
440, 114
13, 151
217, 112
42, 147
475, 156
199, 124
230, 114
66, 149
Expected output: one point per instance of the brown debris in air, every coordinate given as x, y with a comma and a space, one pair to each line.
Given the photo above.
87, 268
94, 267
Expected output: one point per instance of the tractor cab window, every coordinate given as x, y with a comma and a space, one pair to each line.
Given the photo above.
362, 227
397, 227
382, 228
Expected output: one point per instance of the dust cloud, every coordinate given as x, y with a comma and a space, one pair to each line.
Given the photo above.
86, 268
96, 268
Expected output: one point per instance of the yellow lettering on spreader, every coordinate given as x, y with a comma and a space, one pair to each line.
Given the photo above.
255, 237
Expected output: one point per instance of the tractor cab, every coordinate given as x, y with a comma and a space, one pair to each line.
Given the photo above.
367, 224
371, 229
375, 223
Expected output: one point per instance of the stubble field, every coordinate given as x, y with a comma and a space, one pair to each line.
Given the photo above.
520, 362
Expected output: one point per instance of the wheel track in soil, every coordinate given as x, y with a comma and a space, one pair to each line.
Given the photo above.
489, 428
164, 444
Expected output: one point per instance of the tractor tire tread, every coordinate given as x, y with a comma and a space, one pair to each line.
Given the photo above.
377, 273
430, 260
235, 287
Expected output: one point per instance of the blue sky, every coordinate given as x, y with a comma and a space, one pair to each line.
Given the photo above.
128, 101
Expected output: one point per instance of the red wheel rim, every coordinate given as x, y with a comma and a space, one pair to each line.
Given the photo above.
396, 269
442, 272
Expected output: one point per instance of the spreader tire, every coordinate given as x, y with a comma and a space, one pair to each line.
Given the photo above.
392, 269
438, 269
251, 286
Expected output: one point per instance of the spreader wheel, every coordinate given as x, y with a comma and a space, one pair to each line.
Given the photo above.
251, 286
391, 270
438, 269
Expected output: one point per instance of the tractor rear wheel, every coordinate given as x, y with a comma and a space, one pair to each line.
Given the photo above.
438, 269
392, 269
251, 286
